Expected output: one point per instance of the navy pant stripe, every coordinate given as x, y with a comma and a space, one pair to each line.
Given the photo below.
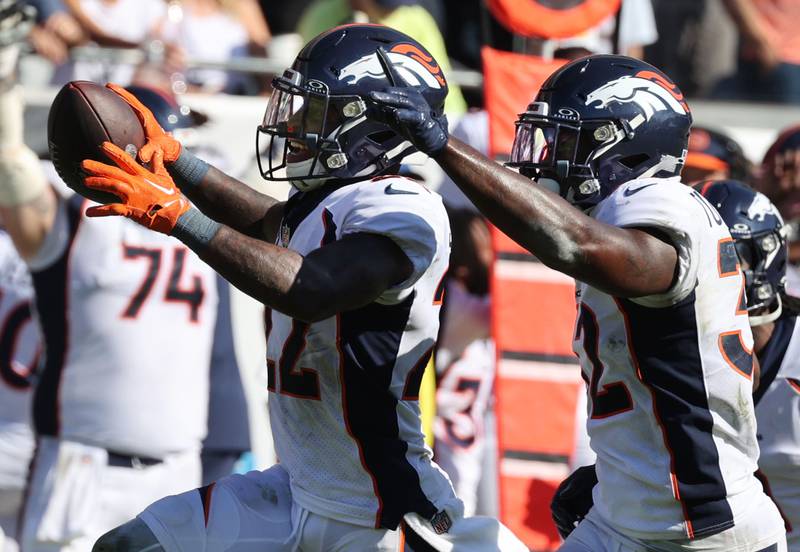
665, 344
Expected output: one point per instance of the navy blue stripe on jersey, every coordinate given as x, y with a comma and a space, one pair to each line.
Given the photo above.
50, 286
770, 548
414, 542
664, 344
369, 342
330, 228
771, 356
205, 498
414, 377
299, 206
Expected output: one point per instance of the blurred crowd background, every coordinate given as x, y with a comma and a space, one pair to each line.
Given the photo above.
737, 61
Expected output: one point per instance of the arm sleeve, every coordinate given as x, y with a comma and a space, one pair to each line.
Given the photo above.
405, 212
668, 208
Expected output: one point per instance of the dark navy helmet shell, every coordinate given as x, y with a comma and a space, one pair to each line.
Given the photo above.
759, 235
599, 122
168, 112
316, 119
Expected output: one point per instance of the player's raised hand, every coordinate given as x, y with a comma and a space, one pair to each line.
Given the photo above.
157, 138
149, 198
405, 109
409, 114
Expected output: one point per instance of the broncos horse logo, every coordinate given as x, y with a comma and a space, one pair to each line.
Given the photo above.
647, 89
413, 64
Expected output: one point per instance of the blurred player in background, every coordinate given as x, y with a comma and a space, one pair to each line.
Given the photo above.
780, 182
760, 237
121, 397
355, 284
465, 361
19, 354
228, 435
662, 332
19, 337
714, 155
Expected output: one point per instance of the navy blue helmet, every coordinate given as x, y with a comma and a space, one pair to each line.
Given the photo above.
168, 112
316, 121
760, 237
599, 122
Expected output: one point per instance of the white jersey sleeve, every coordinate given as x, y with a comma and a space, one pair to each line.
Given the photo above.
404, 211
671, 208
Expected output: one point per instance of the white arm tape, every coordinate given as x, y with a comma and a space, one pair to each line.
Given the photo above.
21, 176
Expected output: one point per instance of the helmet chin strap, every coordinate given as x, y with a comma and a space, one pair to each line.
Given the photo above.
768, 317
302, 168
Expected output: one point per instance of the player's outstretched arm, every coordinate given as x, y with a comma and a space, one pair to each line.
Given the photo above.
222, 197
27, 202
346, 274
625, 262
620, 261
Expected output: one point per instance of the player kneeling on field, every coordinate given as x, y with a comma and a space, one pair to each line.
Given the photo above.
355, 283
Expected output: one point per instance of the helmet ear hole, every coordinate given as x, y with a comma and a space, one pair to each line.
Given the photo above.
633, 161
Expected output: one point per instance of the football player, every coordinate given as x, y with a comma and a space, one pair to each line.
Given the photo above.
662, 332
127, 315
714, 155
352, 267
19, 338
760, 242
780, 182
760, 239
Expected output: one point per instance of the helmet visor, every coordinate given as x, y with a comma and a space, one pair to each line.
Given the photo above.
302, 123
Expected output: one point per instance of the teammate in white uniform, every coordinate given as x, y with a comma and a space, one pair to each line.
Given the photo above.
126, 316
760, 235
662, 330
465, 361
352, 266
19, 354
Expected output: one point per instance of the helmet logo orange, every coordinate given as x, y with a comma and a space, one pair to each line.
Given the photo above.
414, 65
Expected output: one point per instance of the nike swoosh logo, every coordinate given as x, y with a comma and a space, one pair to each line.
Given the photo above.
630, 191
394, 191
162, 188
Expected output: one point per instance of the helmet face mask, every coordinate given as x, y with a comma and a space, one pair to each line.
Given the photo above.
304, 122
550, 147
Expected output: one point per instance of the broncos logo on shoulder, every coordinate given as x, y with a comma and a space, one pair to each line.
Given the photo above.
415, 66
647, 89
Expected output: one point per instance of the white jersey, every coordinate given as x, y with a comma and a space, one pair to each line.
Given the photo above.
344, 405
778, 414
127, 316
19, 354
671, 413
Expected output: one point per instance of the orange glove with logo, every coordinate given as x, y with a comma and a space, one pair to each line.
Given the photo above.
157, 138
149, 198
